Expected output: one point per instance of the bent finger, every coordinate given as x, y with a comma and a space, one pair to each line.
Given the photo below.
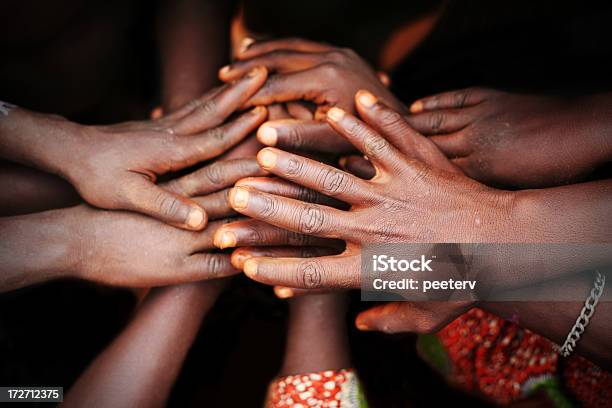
280, 61
450, 100
259, 233
295, 134
210, 111
240, 255
441, 122
204, 266
333, 272
294, 215
147, 198
251, 49
358, 165
278, 186
214, 177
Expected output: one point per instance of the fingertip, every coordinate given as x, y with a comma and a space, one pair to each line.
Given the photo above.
267, 158
245, 44
365, 98
239, 257
239, 198
224, 72
283, 292
342, 162
361, 322
417, 107
197, 219
267, 135
224, 238
335, 114
250, 268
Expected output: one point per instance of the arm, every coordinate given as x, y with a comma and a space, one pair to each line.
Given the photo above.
25, 190
117, 166
141, 365
194, 43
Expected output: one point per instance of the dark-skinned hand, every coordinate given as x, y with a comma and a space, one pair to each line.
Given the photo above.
303, 70
518, 140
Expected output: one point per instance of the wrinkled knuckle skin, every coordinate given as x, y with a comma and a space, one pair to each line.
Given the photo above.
215, 174
209, 107
310, 272
294, 167
307, 195
218, 134
375, 145
331, 71
460, 98
269, 207
422, 173
296, 137
337, 56
213, 266
390, 118
436, 121
311, 220
168, 206
252, 236
297, 239
333, 182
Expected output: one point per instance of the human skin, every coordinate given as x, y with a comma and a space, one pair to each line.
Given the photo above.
115, 247
189, 59
445, 206
336, 271
116, 167
518, 140
139, 368
304, 70
316, 323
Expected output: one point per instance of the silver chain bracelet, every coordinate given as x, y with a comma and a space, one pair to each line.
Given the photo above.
585, 316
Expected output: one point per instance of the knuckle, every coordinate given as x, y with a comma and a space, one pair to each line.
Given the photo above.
218, 134
337, 56
375, 145
213, 265
333, 182
330, 70
310, 272
296, 239
214, 173
306, 195
436, 121
295, 167
269, 208
390, 118
167, 205
296, 137
311, 220
254, 236
209, 107
460, 98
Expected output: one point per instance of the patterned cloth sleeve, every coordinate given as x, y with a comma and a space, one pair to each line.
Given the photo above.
338, 389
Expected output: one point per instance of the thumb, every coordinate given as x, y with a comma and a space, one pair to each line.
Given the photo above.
400, 317
150, 199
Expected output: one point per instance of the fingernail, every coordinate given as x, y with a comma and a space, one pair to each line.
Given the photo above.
283, 292
335, 114
267, 135
225, 70
258, 110
225, 239
254, 72
342, 162
250, 268
245, 44
266, 158
238, 259
239, 197
362, 326
416, 107
366, 99
195, 218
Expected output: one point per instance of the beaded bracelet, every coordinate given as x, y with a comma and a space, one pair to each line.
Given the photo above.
585, 316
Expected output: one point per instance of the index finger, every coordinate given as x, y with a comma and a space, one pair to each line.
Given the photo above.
213, 109
252, 49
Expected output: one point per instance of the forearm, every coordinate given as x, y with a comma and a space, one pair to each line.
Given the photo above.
141, 365
550, 233
36, 248
316, 322
24, 190
38, 140
194, 43
554, 320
